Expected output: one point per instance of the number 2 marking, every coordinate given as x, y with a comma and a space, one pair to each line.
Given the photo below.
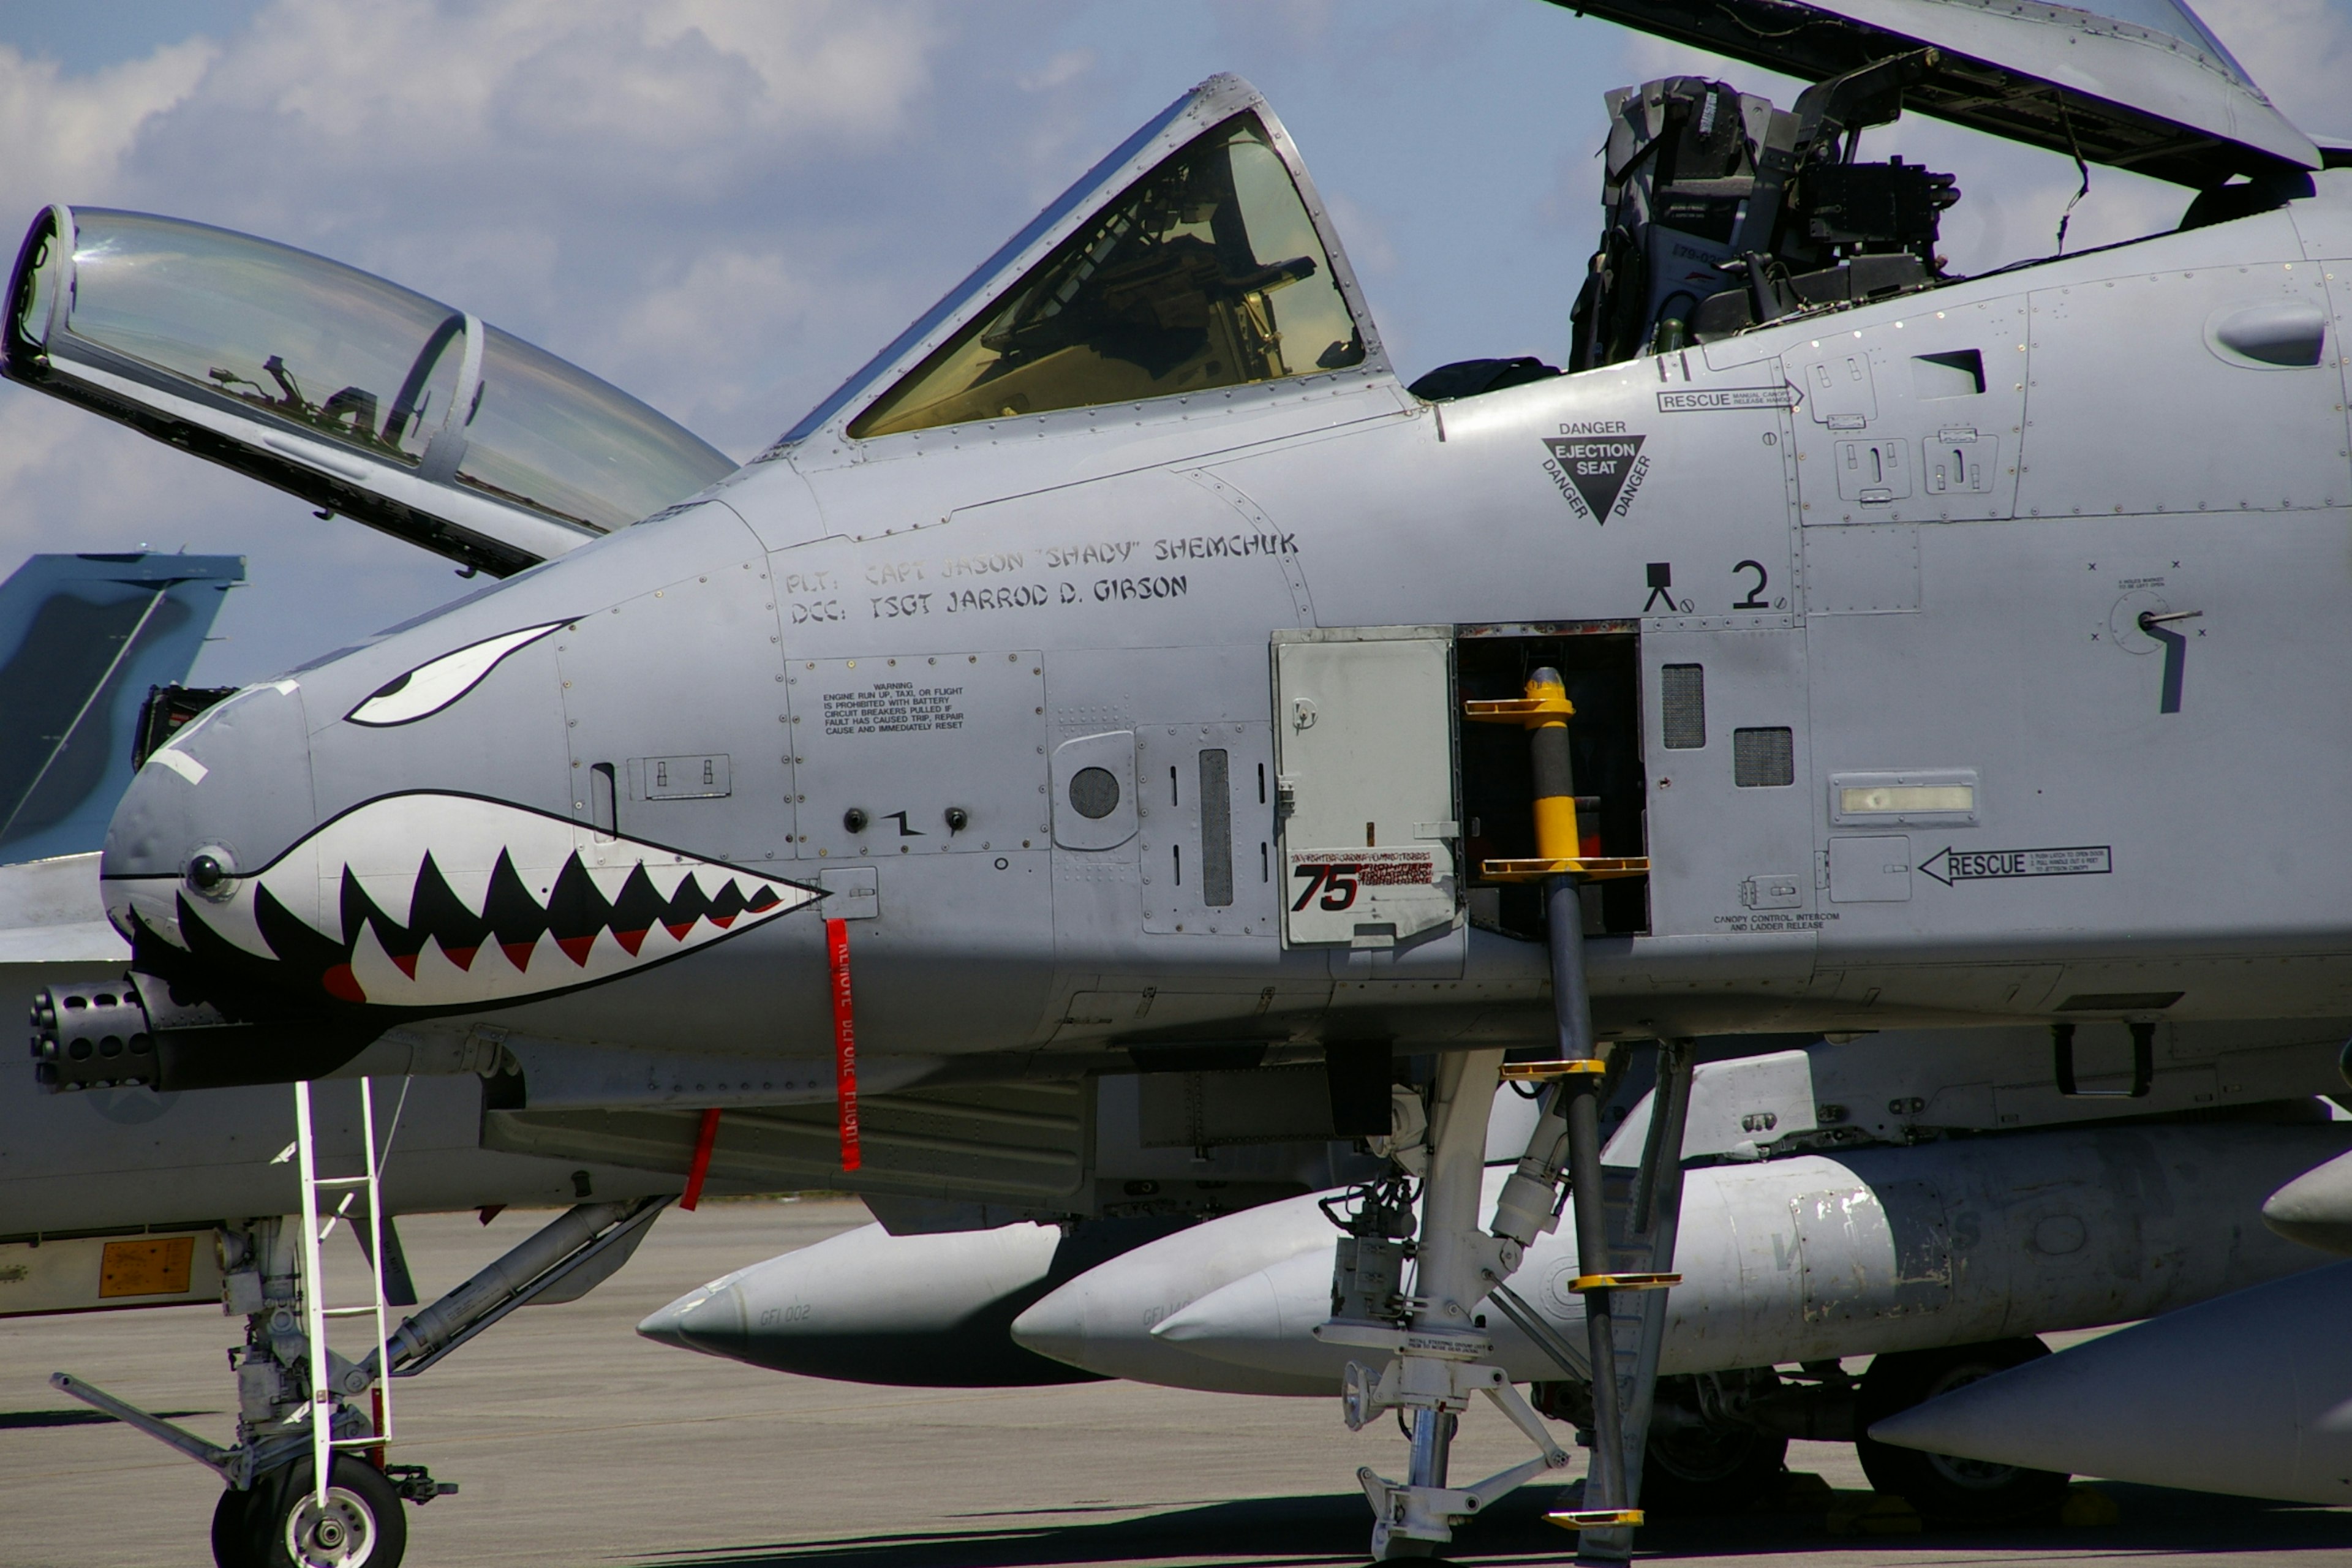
1337, 883
1754, 600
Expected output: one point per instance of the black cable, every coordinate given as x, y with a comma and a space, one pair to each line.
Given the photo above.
2066, 121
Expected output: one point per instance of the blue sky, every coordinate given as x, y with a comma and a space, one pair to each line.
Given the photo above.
725, 206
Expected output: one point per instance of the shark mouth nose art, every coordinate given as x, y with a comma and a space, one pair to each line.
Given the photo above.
439, 900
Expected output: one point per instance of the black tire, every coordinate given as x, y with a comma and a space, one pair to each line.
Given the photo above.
232, 1536
1711, 1470
1951, 1490
365, 1527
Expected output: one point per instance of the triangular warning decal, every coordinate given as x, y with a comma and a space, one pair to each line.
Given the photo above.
1596, 466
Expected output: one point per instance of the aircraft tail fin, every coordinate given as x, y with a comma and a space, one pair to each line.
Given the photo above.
83, 640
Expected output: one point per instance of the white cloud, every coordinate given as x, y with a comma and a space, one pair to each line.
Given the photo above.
849, 68
656, 190
2299, 52
534, 108
411, 81
1060, 71
66, 136
703, 348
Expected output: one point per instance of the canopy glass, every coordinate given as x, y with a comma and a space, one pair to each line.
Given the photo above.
543, 433
365, 363
1207, 273
2172, 19
312, 342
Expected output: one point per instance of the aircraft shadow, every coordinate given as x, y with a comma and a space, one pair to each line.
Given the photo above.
12, 1420
2153, 1520
1254, 1532
1301, 1531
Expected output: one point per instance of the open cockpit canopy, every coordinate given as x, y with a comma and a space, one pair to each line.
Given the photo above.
352, 392
1195, 258
2137, 84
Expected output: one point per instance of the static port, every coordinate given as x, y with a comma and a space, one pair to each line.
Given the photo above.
855, 820
958, 819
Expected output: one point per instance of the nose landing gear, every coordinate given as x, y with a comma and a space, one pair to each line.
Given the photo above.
300, 1405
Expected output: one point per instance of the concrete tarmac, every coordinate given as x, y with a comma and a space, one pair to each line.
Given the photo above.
578, 1443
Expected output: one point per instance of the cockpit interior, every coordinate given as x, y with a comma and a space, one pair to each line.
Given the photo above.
1208, 273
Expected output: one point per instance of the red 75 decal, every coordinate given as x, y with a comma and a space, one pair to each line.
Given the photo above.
1336, 882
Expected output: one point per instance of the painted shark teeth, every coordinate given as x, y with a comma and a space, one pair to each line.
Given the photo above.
436, 900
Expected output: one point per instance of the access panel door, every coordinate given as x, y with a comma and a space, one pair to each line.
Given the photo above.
2208, 389
1910, 420
1731, 805
1364, 760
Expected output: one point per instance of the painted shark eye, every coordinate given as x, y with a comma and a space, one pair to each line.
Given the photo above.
431, 687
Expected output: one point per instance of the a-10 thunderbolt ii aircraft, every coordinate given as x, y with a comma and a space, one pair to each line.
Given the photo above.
1101, 679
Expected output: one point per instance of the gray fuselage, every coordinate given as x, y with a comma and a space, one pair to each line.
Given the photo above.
1913, 537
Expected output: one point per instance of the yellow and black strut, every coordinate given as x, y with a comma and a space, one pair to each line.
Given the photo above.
1544, 714
1562, 866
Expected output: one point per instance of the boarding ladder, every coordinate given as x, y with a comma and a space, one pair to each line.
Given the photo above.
367, 1186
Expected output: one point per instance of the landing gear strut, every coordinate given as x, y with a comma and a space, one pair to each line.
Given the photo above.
1436, 1365
1436, 1346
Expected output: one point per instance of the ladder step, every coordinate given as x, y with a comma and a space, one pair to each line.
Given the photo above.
1528, 711
1595, 1518
1624, 1281
340, 1180
349, 1311
1528, 1072
1594, 868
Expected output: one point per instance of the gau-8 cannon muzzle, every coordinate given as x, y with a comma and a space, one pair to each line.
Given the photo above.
114, 1034
92, 1036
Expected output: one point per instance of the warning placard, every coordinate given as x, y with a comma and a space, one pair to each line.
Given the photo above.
1598, 474
156, 1268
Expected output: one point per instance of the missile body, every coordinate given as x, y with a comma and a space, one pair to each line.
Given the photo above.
2249, 1394
933, 1310
1799, 1257
2315, 1208
1806, 1258
869, 1307
1103, 1319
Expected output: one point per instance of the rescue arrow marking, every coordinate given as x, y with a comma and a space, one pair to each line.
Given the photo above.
1996, 865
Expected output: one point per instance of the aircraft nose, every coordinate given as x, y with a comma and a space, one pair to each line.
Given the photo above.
709, 1320
229, 794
